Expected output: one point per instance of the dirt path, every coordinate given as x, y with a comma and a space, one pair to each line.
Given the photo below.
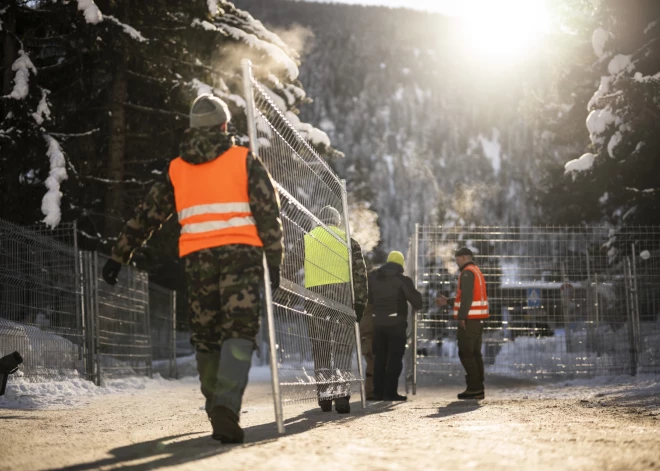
164, 428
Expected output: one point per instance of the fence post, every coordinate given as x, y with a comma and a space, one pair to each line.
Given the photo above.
95, 314
414, 317
635, 292
268, 298
630, 316
174, 370
358, 339
147, 327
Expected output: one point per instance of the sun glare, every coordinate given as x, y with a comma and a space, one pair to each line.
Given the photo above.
502, 30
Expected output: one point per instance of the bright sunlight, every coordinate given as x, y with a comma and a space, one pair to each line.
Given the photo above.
502, 30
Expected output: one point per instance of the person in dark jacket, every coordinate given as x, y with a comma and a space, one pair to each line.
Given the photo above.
390, 291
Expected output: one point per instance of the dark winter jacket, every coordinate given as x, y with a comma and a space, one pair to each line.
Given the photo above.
390, 291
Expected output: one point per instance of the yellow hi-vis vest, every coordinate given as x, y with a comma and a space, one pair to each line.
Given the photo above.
326, 258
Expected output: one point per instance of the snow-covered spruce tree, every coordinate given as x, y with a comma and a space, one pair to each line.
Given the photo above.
121, 76
623, 164
32, 165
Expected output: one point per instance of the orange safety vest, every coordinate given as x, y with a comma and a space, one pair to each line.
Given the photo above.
479, 308
213, 203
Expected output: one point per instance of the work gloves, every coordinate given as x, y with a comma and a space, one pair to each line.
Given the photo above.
111, 271
274, 273
359, 311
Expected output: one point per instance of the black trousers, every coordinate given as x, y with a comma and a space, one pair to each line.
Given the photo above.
469, 351
389, 347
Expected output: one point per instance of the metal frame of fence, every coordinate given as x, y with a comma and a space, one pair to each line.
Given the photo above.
313, 337
56, 310
565, 302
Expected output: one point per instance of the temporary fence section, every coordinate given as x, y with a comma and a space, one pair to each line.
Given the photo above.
313, 335
563, 302
40, 299
162, 318
59, 314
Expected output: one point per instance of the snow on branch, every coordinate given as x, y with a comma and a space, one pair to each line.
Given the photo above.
584, 163
273, 51
91, 11
43, 112
50, 204
22, 66
128, 29
202, 88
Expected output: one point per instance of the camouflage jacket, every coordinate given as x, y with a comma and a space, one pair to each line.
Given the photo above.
199, 146
359, 274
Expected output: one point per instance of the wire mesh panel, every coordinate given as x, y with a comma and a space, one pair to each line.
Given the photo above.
563, 301
122, 322
162, 323
39, 299
314, 320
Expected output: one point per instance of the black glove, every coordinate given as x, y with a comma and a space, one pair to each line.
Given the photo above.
111, 271
274, 273
359, 311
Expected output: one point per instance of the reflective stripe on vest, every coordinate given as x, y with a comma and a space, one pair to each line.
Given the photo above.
479, 306
213, 203
326, 258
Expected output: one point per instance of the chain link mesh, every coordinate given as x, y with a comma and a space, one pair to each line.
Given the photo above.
313, 308
563, 301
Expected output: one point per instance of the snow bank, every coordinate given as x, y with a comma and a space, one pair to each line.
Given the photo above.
585, 162
50, 205
22, 394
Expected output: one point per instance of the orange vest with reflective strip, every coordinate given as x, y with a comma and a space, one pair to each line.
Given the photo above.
213, 203
479, 308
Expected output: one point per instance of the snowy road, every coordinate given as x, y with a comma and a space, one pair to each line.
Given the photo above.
595, 426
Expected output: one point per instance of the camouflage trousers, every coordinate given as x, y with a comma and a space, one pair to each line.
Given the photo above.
224, 285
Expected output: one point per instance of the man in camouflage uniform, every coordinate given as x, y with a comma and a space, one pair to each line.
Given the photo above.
327, 274
223, 281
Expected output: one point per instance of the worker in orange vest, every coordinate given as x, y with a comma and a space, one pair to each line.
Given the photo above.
470, 307
229, 215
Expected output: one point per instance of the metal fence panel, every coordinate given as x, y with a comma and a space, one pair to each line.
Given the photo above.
314, 324
122, 322
39, 299
162, 320
564, 302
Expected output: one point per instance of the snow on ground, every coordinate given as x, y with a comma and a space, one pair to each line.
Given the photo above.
600, 424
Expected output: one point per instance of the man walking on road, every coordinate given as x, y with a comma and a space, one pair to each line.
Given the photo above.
470, 307
390, 291
328, 274
229, 215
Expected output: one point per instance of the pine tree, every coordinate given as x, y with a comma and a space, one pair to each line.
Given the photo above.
622, 164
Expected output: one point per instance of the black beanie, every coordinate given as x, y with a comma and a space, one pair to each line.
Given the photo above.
463, 251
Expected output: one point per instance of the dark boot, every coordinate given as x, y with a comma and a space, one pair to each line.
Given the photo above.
225, 425
467, 394
326, 405
343, 405
396, 397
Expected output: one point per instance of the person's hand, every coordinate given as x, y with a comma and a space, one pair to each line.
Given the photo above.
111, 271
441, 300
359, 311
274, 273
461, 325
